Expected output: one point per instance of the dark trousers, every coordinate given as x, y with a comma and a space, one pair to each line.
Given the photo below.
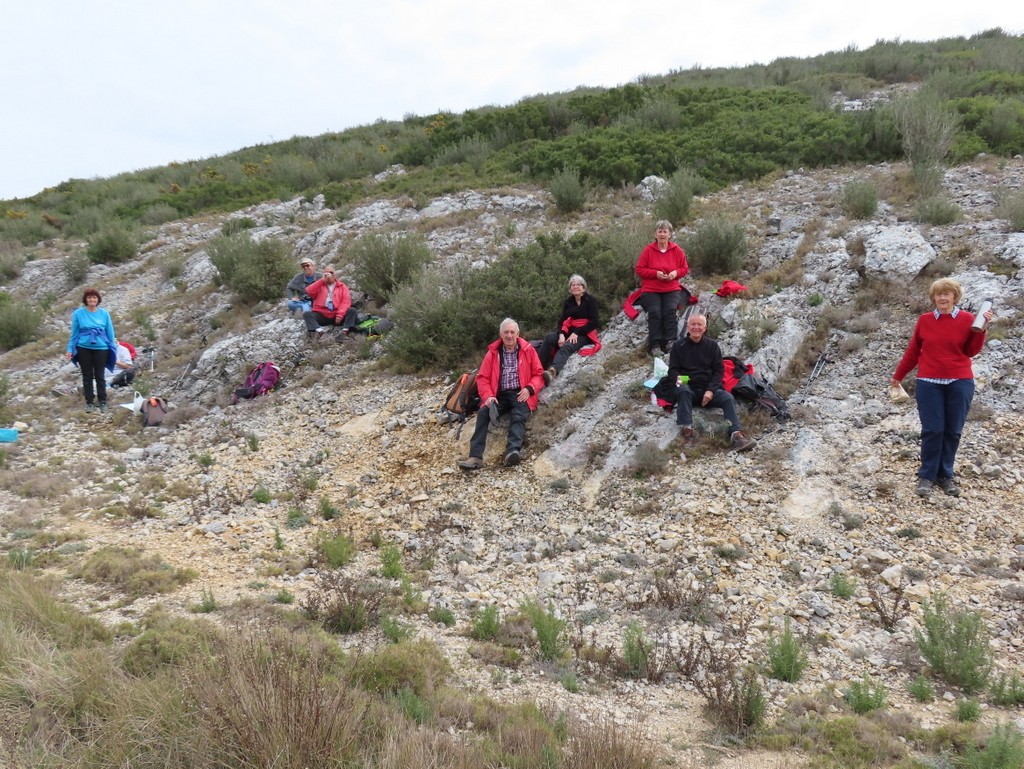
662, 321
553, 355
92, 363
507, 403
943, 410
686, 399
315, 320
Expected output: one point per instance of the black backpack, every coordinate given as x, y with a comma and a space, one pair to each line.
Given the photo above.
754, 390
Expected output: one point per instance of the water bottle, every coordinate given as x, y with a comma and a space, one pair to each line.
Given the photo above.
979, 319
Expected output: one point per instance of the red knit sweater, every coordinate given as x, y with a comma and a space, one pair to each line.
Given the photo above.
652, 261
942, 347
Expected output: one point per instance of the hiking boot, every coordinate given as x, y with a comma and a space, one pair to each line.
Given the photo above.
740, 442
948, 485
103, 407
513, 458
90, 406
549, 376
473, 463
667, 346
924, 487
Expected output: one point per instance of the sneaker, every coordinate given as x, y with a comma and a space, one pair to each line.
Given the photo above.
740, 442
686, 433
924, 487
103, 407
549, 376
948, 485
513, 458
90, 406
473, 463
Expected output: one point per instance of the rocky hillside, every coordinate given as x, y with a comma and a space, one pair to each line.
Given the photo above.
747, 541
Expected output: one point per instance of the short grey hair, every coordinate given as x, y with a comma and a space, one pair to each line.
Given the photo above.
330, 268
507, 321
577, 279
663, 224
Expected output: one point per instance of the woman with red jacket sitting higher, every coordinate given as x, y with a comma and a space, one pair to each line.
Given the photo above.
660, 266
941, 348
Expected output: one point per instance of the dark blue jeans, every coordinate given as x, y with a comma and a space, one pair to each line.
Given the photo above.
662, 320
943, 410
507, 403
686, 399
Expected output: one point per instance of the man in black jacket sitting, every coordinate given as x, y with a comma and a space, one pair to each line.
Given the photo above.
697, 358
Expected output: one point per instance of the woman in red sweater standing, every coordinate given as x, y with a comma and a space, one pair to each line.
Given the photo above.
660, 266
941, 348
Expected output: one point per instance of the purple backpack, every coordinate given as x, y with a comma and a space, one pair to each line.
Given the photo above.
261, 380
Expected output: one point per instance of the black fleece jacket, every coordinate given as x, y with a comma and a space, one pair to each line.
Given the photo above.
701, 361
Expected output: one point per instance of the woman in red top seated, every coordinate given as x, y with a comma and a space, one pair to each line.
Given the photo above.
660, 266
941, 348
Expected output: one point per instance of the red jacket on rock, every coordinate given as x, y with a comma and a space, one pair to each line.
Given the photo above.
318, 290
531, 373
652, 261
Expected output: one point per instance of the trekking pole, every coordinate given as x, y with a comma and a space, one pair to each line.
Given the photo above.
819, 365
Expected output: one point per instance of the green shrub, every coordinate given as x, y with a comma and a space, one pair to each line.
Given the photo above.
159, 213
207, 602
261, 495
416, 665
717, 247
921, 689
1011, 208
1004, 749
674, 200
391, 561
132, 572
18, 323
112, 245
235, 225
967, 711
486, 624
649, 459
395, 630
167, 642
568, 190
549, 628
859, 199
636, 650
442, 615
786, 656
328, 510
383, 263
936, 210
255, 271
337, 550
926, 127
76, 267
11, 261
955, 644
20, 558
1007, 690
865, 695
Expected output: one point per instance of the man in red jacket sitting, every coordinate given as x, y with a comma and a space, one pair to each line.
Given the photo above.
332, 305
509, 380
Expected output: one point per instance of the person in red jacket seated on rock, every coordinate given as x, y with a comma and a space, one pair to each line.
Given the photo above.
332, 305
660, 266
508, 381
941, 347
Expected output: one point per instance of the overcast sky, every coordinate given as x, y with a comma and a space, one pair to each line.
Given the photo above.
96, 87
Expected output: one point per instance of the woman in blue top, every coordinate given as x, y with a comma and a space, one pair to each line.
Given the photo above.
92, 342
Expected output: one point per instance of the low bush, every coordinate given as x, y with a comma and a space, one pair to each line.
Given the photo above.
649, 459
636, 651
921, 689
416, 665
336, 550
1011, 208
486, 624
859, 199
967, 711
256, 271
19, 322
76, 267
1007, 690
718, 246
132, 572
955, 644
936, 210
111, 245
675, 198
865, 695
549, 628
786, 656
341, 604
391, 566
568, 190
1003, 749
383, 263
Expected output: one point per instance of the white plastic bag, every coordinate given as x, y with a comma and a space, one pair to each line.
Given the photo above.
136, 405
897, 394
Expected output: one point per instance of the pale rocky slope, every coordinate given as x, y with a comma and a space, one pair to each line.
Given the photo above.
831, 490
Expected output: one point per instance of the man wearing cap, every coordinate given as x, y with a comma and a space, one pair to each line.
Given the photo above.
298, 299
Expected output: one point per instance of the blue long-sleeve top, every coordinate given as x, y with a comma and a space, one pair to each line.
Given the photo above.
93, 330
